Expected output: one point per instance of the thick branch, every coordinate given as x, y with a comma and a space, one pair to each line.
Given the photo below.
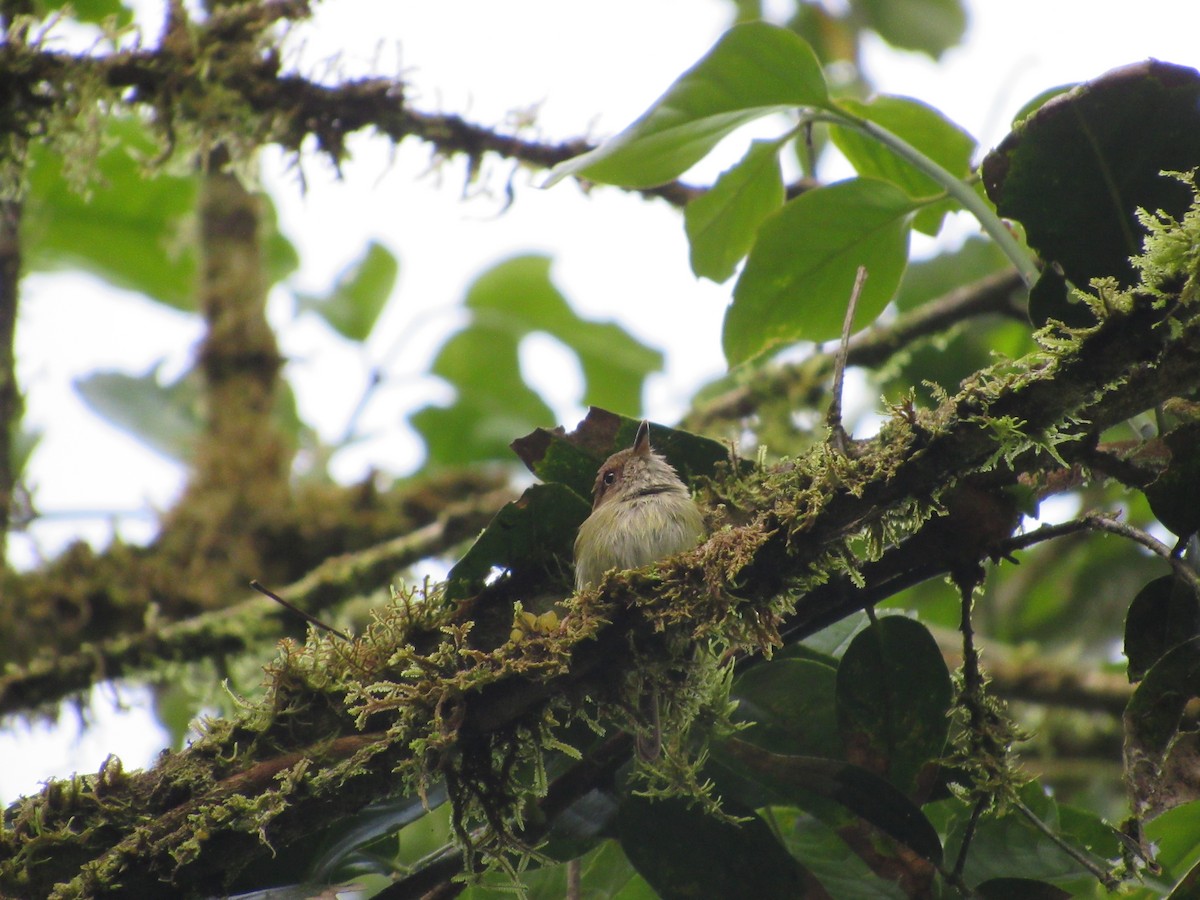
249, 625
10, 397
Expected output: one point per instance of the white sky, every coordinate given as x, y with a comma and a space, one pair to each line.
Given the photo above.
588, 70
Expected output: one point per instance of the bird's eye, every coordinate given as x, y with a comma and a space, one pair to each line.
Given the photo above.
609, 477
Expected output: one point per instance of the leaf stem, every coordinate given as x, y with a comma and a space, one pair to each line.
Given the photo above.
956, 187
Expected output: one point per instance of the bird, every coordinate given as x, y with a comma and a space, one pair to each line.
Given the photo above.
641, 512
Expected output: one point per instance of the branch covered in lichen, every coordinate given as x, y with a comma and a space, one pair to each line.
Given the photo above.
431, 694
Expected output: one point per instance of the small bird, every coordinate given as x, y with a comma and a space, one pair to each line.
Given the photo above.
641, 512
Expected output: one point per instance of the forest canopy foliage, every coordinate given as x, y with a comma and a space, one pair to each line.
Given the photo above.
826, 722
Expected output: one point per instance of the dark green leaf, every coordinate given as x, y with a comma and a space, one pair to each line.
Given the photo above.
755, 69
924, 128
573, 459
841, 871
722, 223
931, 26
1175, 494
1020, 889
797, 281
1075, 172
358, 296
893, 700
1163, 614
791, 703
1161, 754
795, 780
686, 854
530, 536
1188, 887
166, 418
1050, 298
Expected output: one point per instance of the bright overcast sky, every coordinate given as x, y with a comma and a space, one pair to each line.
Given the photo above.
586, 69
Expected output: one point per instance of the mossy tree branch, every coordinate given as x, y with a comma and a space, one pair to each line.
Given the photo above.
344, 720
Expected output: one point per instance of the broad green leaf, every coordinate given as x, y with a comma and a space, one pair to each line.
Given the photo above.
754, 69
1175, 494
1161, 749
96, 11
841, 871
893, 701
358, 296
528, 537
792, 705
924, 128
1176, 838
573, 459
1164, 613
128, 225
481, 362
796, 780
722, 223
166, 418
931, 26
129, 229
684, 853
798, 278
1010, 846
1025, 888
1075, 172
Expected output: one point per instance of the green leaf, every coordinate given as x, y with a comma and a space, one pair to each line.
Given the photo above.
721, 223
1076, 171
359, 294
795, 780
1175, 494
791, 703
1010, 846
930, 26
930, 279
508, 302
573, 459
1161, 750
528, 538
166, 418
1176, 838
924, 128
1164, 613
893, 700
130, 227
754, 69
1020, 889
684, 853
797, 281
96, 11
841, 871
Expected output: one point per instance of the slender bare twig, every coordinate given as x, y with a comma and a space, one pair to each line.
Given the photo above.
833, 420
307, 617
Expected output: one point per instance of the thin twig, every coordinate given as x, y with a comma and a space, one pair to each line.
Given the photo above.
1183, 571
837, 433
291, 607
1100, 874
